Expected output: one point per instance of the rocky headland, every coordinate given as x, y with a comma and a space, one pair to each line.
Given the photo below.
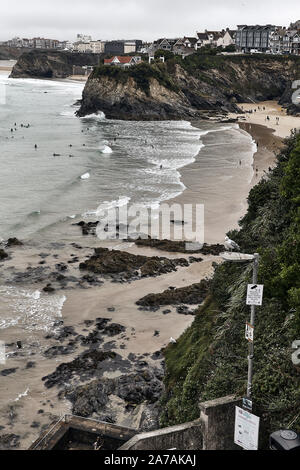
198, 86
51, 64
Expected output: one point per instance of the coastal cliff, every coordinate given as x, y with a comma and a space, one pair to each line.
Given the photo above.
199, 85
210, 359
51, 64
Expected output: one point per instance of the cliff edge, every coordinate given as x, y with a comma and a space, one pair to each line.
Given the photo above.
199, 85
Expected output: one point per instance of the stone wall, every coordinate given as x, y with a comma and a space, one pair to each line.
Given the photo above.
186, 436
214, 430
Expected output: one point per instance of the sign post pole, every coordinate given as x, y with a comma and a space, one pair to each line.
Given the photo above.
252, 321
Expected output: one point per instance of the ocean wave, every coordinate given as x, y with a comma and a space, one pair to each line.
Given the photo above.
69, 114
106, 206
99, 116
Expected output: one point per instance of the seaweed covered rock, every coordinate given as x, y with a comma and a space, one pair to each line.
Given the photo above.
134, 389
84, 366
108, 262
190, 295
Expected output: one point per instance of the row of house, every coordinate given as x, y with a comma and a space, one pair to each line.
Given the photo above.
108, 47
269, 38
37, 43
247, 38
188, 45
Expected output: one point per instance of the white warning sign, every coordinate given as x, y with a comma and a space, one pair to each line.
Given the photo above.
255, 294
246, 430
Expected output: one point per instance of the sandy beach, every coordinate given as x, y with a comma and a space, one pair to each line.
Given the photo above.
26, 405
271, 109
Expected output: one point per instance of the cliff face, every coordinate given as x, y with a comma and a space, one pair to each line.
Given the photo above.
127, 101
51, 64
196, 86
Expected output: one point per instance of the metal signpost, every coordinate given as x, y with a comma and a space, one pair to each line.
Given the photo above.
247, 424
254, 298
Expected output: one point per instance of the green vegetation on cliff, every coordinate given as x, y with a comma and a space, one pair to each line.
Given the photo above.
210, 359
141, 73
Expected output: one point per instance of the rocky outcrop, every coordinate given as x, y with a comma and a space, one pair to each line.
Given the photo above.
134, 389
126, 101
190, 295
198, 86
130, 266
51, 64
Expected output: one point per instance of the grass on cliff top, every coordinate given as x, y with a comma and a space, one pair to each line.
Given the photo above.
202, 67
141, 73
210, 359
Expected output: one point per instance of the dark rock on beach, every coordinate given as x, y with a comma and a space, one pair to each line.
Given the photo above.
108, 262
55, 351
9, 441
13, 242
134, 389
3, 255
190, 295
49, 289
84, 366
6, 372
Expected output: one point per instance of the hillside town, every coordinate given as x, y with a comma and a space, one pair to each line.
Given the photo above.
268, 39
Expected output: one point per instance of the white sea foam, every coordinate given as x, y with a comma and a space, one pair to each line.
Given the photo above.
69, 114
29, 309
106, 206
99, 116
106, 149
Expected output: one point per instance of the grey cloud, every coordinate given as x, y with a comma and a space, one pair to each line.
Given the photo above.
145, 19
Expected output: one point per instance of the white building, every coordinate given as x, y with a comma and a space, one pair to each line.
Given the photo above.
97, 47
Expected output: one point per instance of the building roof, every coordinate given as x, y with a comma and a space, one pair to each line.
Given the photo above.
202, 35
121, 59
191, 40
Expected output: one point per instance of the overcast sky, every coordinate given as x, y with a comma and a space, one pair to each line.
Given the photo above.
140, 19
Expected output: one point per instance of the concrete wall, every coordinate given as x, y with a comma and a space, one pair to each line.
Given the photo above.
214, 430
186, 436
218, 418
